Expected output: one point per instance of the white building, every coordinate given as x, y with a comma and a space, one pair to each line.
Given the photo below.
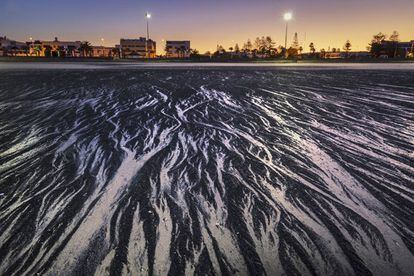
138, 48
177, 49
12, 47
56, 48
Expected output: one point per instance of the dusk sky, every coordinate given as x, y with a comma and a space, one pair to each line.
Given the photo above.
207, 23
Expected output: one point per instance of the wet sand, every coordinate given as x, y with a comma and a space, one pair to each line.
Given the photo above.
230, 169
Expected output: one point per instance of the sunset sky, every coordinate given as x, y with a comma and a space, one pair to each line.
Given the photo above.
207, 23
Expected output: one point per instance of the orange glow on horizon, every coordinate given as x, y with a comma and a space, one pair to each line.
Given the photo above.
327, 24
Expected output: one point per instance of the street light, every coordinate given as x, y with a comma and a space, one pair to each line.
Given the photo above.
147, 16
31, 46
103, 42
287, 17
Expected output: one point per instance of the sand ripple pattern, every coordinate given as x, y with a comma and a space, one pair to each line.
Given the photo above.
207, 172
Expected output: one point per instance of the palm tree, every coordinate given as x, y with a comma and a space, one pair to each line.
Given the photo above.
47, 48
25, 48
194, 53
14, 50
183, 51
85, 48
61, 51
167, 49
116, 52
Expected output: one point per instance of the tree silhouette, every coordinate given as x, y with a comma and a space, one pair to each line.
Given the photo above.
395, 38
237, 49
379, 38
312, 48
375, 46
269, 45
85, 48
295, 43
347, 46
116, 52
183, 51
231, 52
257, 44
323, 53
249, 46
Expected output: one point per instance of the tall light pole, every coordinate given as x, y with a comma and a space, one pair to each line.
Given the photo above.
103, 47
147, 16
287, 17
31, 46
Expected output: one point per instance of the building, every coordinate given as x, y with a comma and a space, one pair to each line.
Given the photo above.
177, 49
391, 49
359, 54
406, 49
36, 48
9, 47
55, 48
7, 43
103, 52
346, 55
138, 48
333, 55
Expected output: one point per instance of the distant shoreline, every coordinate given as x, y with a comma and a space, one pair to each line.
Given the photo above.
258, 61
